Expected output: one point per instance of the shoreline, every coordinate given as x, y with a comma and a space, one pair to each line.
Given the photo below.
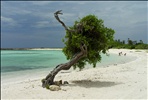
31, 48
119, 81
17, 76
58, 48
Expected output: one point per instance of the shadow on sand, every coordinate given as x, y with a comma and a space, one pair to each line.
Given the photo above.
89, 83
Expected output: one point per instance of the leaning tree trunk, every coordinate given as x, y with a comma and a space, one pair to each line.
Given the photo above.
49, 80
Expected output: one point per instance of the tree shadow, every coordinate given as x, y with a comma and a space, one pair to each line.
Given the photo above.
89, 83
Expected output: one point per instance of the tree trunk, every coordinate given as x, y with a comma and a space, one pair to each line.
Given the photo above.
49, 80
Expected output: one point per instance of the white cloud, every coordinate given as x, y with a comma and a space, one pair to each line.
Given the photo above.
15, 8
41, 3
8, 21
41, 24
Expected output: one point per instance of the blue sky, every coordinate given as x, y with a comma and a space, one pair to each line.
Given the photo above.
32, 23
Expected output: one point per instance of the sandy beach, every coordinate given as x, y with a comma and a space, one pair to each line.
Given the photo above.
118, 81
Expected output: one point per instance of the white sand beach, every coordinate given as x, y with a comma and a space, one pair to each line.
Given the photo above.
118, 81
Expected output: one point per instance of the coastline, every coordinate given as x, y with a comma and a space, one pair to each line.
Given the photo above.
121, 81
31, 48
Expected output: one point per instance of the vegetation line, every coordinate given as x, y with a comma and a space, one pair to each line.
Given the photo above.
129, 45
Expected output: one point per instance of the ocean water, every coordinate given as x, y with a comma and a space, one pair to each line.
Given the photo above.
18, 63
22, 60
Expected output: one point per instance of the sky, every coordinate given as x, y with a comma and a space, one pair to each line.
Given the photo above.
31, 24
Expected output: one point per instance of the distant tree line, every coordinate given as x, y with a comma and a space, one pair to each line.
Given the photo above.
130, 44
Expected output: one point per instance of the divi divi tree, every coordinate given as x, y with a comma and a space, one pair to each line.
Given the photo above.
84, 42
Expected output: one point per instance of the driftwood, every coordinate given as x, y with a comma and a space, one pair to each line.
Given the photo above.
49, 80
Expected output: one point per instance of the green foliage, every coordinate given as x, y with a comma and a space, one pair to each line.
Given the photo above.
130, 44
141, 46
93, 34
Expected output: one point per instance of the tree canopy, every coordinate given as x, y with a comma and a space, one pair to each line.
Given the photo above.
91, 32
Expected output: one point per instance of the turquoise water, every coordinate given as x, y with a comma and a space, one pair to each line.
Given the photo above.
21, 60
12, 60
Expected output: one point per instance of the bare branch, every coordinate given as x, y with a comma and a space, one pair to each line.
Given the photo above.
57, 17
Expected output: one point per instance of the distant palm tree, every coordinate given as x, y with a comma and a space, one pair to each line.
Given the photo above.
141, 41
130, 42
